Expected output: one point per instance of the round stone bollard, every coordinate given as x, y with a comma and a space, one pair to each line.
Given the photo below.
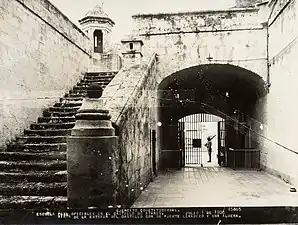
92, 156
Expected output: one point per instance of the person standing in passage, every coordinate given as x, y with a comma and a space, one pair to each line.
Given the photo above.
209, 148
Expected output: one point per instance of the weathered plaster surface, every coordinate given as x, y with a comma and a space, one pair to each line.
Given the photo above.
247, 3
189, 39
102, 62
183, 40
200, 21
42, 55
278, 7
130, 99
281, 109
239, 38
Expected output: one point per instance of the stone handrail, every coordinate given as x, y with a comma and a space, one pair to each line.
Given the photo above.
121, 91
106, 62
148, 72
128, 97
152, 62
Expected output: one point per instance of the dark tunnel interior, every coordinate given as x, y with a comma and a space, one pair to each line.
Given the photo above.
221, 90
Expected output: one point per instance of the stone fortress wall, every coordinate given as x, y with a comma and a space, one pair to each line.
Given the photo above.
279, 106
43, 54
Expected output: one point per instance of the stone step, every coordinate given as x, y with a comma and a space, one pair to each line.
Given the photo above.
102, 84
33, 202
11, 156
78, 92
44, 147
76, 95
78, 88
62, 114
33, 165
101, 76
60, 132
34, 176
32, 188
63, 109
78, 99
95, 80
68, 104
47, 113
102, 73
41, 139
56, 119
83, 85
47, 126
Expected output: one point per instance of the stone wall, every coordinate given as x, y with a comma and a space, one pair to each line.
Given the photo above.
280, 110
42, 55
183, 40
130, 99
102, 62
246, 3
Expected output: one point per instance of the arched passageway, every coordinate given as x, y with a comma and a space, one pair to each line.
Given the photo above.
225, 91
187, 100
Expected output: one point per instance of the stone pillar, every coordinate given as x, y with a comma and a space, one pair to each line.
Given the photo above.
92, 154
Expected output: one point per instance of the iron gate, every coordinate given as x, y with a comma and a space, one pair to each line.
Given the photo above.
191, 137
222, 146
242, 153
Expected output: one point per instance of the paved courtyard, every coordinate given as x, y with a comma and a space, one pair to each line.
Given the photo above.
203, 158
216, 186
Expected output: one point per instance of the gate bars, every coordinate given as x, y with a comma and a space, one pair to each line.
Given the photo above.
191, 137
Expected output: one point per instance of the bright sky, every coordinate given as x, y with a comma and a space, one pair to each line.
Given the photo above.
120, 11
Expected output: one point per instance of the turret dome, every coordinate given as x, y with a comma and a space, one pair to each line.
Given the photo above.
97, 11
98, 14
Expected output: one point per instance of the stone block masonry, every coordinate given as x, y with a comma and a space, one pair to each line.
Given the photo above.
42, 55
132, 107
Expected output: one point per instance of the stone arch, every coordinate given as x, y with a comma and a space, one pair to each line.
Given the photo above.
175, 67
220, 89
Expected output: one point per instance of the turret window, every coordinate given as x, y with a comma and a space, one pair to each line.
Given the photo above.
98, 41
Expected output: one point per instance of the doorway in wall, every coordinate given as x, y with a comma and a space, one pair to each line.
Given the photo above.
153, 153
193, 131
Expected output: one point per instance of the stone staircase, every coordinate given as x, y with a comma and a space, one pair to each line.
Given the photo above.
33, 170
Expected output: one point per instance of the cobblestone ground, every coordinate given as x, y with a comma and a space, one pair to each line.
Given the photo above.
216, 186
